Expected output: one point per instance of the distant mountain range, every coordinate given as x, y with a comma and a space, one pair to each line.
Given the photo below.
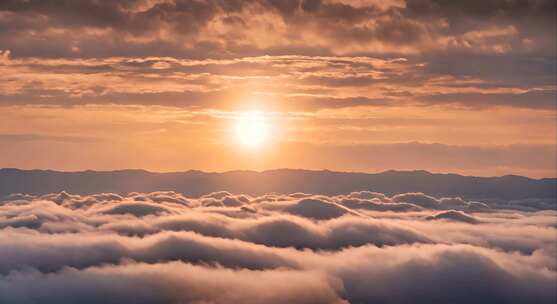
196, 183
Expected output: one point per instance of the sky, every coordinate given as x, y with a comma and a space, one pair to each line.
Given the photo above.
466, 87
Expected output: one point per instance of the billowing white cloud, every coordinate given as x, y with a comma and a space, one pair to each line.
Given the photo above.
364, 247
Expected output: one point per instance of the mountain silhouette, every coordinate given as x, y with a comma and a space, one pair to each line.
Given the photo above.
196, 183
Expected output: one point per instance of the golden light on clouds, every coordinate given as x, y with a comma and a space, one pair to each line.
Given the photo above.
261, 151
298, 84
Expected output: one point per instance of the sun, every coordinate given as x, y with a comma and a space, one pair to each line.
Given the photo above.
252, 129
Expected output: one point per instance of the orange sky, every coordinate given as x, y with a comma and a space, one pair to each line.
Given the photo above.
341, 85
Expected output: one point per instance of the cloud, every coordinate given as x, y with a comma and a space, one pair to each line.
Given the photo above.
453, 215
309, 55
447, 273
419, 199
317, 209
296, 248
290, 82
235, 26
541, 99
376, 205
172, 282
135, 208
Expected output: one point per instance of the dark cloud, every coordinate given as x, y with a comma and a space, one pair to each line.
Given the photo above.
173, 282
413, 26
542, 99
497, 44
452, 272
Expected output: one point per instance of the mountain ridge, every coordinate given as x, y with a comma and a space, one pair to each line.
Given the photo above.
271, 170
196, 183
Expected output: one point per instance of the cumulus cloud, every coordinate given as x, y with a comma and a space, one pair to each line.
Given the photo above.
303, 248
453, 215
317, 209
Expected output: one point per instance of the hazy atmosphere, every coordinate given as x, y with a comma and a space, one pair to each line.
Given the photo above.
448, 86
278, 151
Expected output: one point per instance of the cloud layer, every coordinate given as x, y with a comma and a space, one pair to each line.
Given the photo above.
162, 247
224, 28
362, 76
309, 54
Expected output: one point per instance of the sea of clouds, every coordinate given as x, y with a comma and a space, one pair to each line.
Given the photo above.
364, 247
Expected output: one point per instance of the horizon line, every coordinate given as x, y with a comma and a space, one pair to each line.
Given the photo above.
277, 169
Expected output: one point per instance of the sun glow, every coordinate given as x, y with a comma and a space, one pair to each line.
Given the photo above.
252, 129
